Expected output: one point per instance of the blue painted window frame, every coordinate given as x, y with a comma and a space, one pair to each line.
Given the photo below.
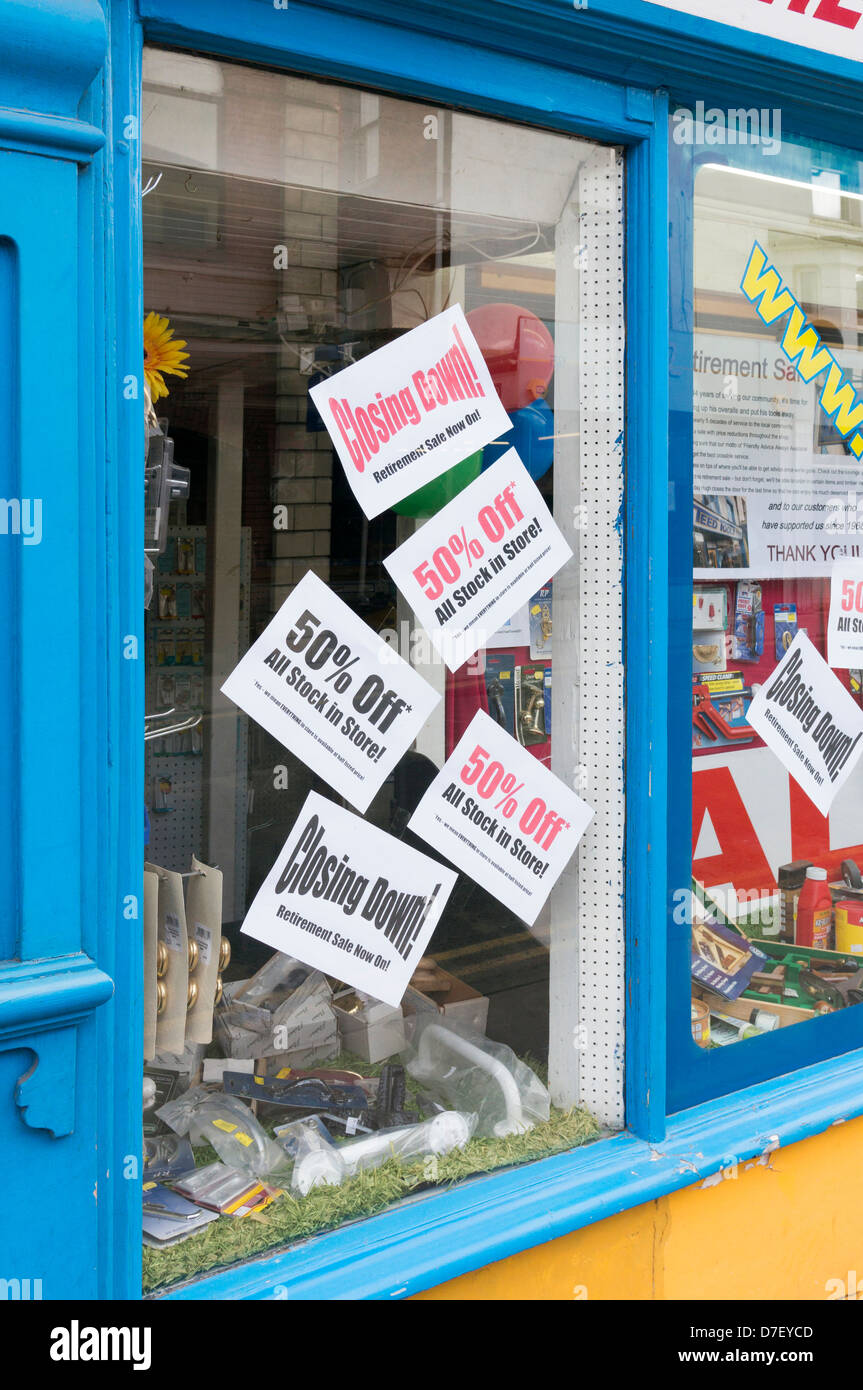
548, 64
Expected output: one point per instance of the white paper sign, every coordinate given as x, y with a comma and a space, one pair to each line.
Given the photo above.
806, 716
479, 559
411, 410
327, 687
350, 900
845, 625
501, 817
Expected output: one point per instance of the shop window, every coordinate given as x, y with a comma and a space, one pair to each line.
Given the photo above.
772, 930
292, 230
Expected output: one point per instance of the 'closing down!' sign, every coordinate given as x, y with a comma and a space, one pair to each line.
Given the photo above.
411, 410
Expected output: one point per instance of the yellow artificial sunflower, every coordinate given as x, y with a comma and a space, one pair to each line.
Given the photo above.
161, 354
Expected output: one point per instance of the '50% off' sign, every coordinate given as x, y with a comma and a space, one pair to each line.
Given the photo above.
313, 680
479, 559
501, 817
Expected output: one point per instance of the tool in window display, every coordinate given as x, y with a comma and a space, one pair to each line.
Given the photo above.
495, 700
802, 974
298, 1092
712, 722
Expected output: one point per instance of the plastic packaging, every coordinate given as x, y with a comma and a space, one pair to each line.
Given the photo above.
318, 1163
177, 1113
229, 1125
476, 1076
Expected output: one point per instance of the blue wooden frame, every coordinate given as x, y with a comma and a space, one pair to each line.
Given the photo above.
405, 53
72, 784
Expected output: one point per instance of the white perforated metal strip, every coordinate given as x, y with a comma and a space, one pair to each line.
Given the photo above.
601, 961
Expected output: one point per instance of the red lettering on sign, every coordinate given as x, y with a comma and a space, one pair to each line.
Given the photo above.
833, 11
742, 860
837, 13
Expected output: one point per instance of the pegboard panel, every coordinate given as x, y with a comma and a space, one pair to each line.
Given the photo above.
600, 713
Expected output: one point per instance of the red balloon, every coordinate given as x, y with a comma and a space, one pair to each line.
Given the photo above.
518, 351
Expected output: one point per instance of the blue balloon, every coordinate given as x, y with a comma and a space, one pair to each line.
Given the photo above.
531, 434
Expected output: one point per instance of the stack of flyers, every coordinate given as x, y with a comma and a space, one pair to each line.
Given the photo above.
169, 1218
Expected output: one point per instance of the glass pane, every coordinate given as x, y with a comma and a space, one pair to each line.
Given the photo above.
777, 718
291, 229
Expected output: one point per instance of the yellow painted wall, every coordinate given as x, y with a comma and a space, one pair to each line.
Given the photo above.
779, 1231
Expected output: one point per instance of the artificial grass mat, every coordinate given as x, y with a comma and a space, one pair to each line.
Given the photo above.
292, 1217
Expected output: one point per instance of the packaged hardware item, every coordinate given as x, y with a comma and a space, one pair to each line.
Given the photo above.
317, 1163
784, 627
290, 1134
720, 702
277, 978
546, 699
225, 1190
500, 689
371, 1029
476, 1076
747, 644
530, 705
204, 924
286, 1008
229, 1125
168, 1217
540, 610
176, 1113
709, 608
167, 1156
338, 1101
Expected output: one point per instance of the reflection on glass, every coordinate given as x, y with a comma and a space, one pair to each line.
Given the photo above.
777, 897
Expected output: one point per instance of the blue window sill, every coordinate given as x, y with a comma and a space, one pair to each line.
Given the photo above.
432, 1238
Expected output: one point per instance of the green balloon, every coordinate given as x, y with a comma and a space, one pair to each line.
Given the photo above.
429, 499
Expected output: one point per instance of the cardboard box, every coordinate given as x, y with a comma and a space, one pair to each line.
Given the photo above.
374, 1033
461, 1002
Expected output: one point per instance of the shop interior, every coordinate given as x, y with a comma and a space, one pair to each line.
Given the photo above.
778, 892
292, 228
